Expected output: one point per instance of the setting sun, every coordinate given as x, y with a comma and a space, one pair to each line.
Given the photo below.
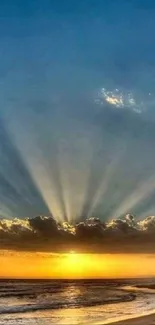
73, 259
76, 264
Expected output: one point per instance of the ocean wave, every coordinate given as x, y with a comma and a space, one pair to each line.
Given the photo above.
142, 289
36, 307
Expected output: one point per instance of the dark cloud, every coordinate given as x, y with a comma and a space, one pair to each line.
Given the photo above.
124, 235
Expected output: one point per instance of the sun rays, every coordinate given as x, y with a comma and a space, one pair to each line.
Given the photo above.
76, 174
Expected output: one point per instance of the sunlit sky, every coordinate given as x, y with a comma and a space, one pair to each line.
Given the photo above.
77, 108
75, 266
77, 124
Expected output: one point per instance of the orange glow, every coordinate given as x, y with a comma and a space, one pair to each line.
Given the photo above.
75, 265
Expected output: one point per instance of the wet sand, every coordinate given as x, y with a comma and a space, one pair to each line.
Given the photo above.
143, 320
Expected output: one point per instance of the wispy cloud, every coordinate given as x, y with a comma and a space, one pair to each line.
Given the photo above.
120, 100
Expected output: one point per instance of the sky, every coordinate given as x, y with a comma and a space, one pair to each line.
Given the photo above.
64, 266
77, 108
77, 130
77, 134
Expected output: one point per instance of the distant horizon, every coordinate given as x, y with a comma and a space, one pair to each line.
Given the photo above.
78, 279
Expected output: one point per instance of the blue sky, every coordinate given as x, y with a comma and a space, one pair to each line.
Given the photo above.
77, 109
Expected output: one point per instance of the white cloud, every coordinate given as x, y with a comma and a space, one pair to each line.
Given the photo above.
119, 100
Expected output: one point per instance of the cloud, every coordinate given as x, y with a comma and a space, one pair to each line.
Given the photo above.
44, 234
119, 100
148, 224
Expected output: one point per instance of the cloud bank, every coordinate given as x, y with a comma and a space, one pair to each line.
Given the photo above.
44, 234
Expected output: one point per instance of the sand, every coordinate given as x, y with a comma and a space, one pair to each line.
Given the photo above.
144, 320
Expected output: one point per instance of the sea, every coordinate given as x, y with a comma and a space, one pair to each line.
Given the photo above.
48, 302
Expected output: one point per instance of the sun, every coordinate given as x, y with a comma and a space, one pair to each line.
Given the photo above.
76, 264
73, 258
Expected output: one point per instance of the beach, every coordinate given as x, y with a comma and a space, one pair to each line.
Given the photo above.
143, 320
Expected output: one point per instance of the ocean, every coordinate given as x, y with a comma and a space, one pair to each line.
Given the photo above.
47, 302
